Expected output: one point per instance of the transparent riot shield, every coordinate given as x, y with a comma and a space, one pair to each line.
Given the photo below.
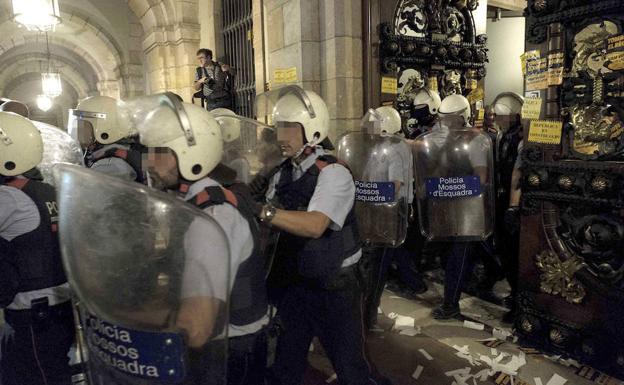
381, 166
151, 273
58, 147
454, 182
249, 146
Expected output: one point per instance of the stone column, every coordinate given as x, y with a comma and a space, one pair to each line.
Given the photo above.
323, 39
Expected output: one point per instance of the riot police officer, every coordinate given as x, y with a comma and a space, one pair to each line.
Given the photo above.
34, 292
455, 193
507, 108
103, 130
395, 165
183, 157
425, 111
319, 244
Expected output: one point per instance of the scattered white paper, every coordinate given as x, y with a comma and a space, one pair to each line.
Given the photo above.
494, 351
556, 380
427, 355
377, 330
500, 334
538, 381
379, 311
402, 322
460, 375
488, 339
332, 378
473, 325
311, 349
410, 331
395, 297
392, 315
464, 353
482, 375
472, 315
417, 372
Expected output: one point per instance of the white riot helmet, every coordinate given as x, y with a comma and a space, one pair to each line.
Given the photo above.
382, 120
21, 146
190, 131
508, 103
429, 99
97, 118
305, 108
230, 125
456, 105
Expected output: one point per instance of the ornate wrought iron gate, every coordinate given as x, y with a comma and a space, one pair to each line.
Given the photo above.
239, 52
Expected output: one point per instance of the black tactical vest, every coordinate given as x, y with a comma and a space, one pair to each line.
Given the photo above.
36, 256
248, 300
316, 258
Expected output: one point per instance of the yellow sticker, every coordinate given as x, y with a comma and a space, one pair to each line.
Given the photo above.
537, 74
531, 108
472, 84
250, 35
476, 95
545, 131
555, 69
481, 115
529, 55
282, 76
389, 85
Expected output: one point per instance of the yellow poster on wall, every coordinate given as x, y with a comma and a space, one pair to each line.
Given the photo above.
545, 131
537, 74
531, 108
555, 69
528, 55
615, 53
283, 76
476, 95
389, 85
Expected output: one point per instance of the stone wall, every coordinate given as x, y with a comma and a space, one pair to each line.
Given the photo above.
323, 40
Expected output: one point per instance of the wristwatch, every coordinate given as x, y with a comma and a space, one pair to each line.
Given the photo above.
268, 213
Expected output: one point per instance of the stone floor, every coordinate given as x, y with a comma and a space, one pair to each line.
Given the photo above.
399, 356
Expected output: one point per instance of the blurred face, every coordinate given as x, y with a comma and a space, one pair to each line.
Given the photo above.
203, 59
290, 137
161, 165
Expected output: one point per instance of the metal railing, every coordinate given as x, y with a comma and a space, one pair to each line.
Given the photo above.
239, 53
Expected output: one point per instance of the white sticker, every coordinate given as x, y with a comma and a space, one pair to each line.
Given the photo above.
417, 372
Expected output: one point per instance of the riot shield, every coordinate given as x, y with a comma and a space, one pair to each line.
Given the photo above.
151, 273
381, 166
454, 182
58, 147
249, 147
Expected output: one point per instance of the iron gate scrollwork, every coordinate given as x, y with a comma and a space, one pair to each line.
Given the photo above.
239, 52
572, 297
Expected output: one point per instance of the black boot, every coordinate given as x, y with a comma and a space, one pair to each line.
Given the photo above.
445, 312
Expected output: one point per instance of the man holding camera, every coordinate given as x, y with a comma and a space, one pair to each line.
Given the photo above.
211, 82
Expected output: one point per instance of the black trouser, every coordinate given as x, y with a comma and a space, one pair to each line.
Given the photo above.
381, 259
335, 317
35, 352
247, 359
459, 264
211, 104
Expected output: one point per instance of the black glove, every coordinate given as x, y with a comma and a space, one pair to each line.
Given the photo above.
259, 185
512, 219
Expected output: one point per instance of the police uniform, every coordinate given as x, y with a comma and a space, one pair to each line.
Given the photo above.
384, 256
248, 300
39, 328
324, 299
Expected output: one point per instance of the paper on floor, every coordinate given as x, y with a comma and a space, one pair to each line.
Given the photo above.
537, 380
403, 322
332, 378
427, 355
379, 311
556, 380
500, 334
417, 372
473, 325
410, 331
